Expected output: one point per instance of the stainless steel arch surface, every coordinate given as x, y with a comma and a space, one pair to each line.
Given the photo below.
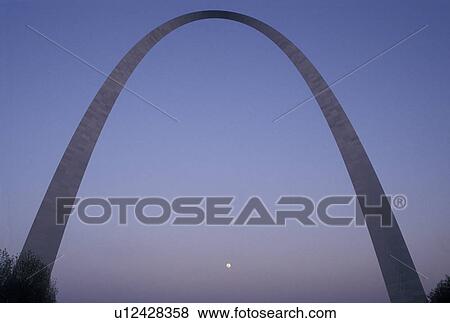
402, 281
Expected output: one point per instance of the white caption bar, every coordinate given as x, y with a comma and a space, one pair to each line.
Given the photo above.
239, 312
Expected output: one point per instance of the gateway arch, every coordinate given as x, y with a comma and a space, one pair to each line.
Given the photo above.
397, 267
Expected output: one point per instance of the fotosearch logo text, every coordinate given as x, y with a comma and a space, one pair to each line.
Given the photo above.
220, 210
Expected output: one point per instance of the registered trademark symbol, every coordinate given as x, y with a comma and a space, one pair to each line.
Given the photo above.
399, 202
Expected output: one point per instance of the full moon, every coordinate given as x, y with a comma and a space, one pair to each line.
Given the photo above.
228, 265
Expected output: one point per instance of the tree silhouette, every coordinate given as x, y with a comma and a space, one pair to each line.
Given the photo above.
441, 294
25, 279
